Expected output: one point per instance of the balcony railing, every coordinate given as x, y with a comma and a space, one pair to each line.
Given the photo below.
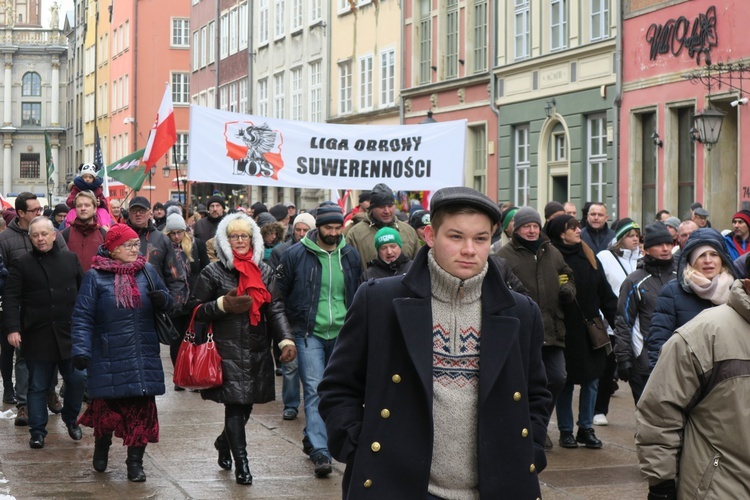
32, 36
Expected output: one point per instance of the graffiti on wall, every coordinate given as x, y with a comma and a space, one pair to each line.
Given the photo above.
680, 34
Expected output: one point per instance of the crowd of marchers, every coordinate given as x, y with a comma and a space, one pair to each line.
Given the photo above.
465, 292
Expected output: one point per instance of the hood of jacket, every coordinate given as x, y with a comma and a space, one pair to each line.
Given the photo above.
699, 237
224, 248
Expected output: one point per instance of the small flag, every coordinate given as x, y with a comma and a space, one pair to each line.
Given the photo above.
50, 161
164, 132
99, 162
129, 170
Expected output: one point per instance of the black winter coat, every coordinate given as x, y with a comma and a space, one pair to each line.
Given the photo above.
593, 293
39, 298
380, 269
247, 362
378, 388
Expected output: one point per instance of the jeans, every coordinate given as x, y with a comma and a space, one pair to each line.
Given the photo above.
6, 363
554, 364
606, 386
290, 385
637, 384
313, 354
586, 401
40, 380
22, 378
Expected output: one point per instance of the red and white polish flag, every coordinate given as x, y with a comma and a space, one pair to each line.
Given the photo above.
164, 132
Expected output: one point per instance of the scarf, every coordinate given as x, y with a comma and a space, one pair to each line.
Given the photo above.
532, 246
182, 256
126, 289
85, 227
578, 248
716, 289
251, 283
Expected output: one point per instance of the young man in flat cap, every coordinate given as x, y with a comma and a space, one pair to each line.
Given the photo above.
436, 387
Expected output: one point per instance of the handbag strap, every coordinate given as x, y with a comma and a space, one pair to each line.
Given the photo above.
148, 278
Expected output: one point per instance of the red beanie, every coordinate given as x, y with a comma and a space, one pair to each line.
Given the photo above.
117, 235
744, 215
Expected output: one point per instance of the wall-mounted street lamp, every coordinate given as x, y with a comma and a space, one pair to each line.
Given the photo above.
549, 107
707, 127
657, 140
429, 119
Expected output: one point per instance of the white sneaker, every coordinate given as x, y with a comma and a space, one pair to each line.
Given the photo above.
600, 419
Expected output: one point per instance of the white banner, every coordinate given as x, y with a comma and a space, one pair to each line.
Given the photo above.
231, 148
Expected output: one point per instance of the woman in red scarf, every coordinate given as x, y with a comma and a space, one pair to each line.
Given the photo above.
236, 294
115, 339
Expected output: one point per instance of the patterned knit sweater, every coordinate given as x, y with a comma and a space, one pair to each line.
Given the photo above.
456, 332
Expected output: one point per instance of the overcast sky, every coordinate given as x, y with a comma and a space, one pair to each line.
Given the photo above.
65, 6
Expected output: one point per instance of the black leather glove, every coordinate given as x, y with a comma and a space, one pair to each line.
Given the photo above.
663, 491
234, 304
623, 370
80, 362
158, 300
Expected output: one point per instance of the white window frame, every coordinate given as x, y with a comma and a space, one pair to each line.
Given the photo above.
233, 97
345, 87
223, 36
479, 156
180, 33
296, 111
196, 50
522, 30
596, 158
204, 46
233, 27
244, 32
388, 77
125, 91
425, 42
522, 165
279, 96
242, 105
316, 11
297, 16
316, 91
481, 27
560, 146
263, 97
180, 88
180, 147
452, 34
224, 98
365, 71
211, 42
279, 26
599, 19
558, 41
263, 13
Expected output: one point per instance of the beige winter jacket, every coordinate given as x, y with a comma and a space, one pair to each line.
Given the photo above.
692, 420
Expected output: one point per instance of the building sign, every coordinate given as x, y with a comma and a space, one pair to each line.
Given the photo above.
675, 35
231, 148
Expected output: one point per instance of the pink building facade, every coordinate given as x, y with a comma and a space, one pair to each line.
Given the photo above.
662, 165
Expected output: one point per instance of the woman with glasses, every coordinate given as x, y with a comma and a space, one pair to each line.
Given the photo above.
115, 339
239, 297
192, 257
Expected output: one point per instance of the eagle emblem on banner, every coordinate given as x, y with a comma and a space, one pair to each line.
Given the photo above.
254, 149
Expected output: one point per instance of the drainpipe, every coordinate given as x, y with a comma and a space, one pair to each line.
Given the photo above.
403, 79
217, 53
616, 110
250, 58
493, 107
135, 78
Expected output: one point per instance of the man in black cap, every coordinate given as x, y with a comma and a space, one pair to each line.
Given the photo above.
412, 405
381, 213
281, 213
58, 214
158, 250
160, 214
205, 229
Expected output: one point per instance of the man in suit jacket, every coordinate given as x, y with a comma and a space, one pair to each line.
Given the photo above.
436, 387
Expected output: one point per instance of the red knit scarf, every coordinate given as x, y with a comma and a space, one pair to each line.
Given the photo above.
126, 289
251, 283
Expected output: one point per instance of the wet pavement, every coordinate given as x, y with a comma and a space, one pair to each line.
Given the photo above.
183, 465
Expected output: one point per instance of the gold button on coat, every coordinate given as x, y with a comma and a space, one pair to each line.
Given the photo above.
385, 413
525, 433
516, 396
368, 483
532, 468
396, 378
375, 447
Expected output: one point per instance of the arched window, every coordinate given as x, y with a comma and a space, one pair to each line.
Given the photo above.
32, 85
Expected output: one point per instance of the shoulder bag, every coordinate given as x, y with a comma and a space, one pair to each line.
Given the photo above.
198, 366
596, 330
165, 329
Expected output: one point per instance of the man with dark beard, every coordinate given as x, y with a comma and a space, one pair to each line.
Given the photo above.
317, 279
205, 229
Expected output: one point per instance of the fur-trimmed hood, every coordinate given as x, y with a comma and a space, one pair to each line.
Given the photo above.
224, 248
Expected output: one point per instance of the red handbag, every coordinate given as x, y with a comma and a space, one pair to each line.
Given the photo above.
198, 366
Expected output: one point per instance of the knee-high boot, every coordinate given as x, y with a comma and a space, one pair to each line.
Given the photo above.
225, 455
135, 463
234, 428
101, 452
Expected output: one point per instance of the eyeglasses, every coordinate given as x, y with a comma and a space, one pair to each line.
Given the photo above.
242, 237
177, 232
138, 211
131, 246
35, 210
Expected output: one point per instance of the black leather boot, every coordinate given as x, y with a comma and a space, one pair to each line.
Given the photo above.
234, 428
135, 463
225, 455
101, 452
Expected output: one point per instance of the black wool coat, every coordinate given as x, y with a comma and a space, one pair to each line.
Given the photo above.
39, 297
377, 388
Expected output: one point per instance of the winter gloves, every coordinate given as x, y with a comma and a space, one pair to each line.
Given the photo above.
234, 304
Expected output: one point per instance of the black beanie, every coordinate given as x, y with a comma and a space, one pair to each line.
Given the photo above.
656, 233
557, 226
381, 196
552, 208
216, 199
159, 206
61, 208
364, 196
279, 211
258, 208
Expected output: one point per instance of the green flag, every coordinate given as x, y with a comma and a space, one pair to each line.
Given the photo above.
129, 170
50, 162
